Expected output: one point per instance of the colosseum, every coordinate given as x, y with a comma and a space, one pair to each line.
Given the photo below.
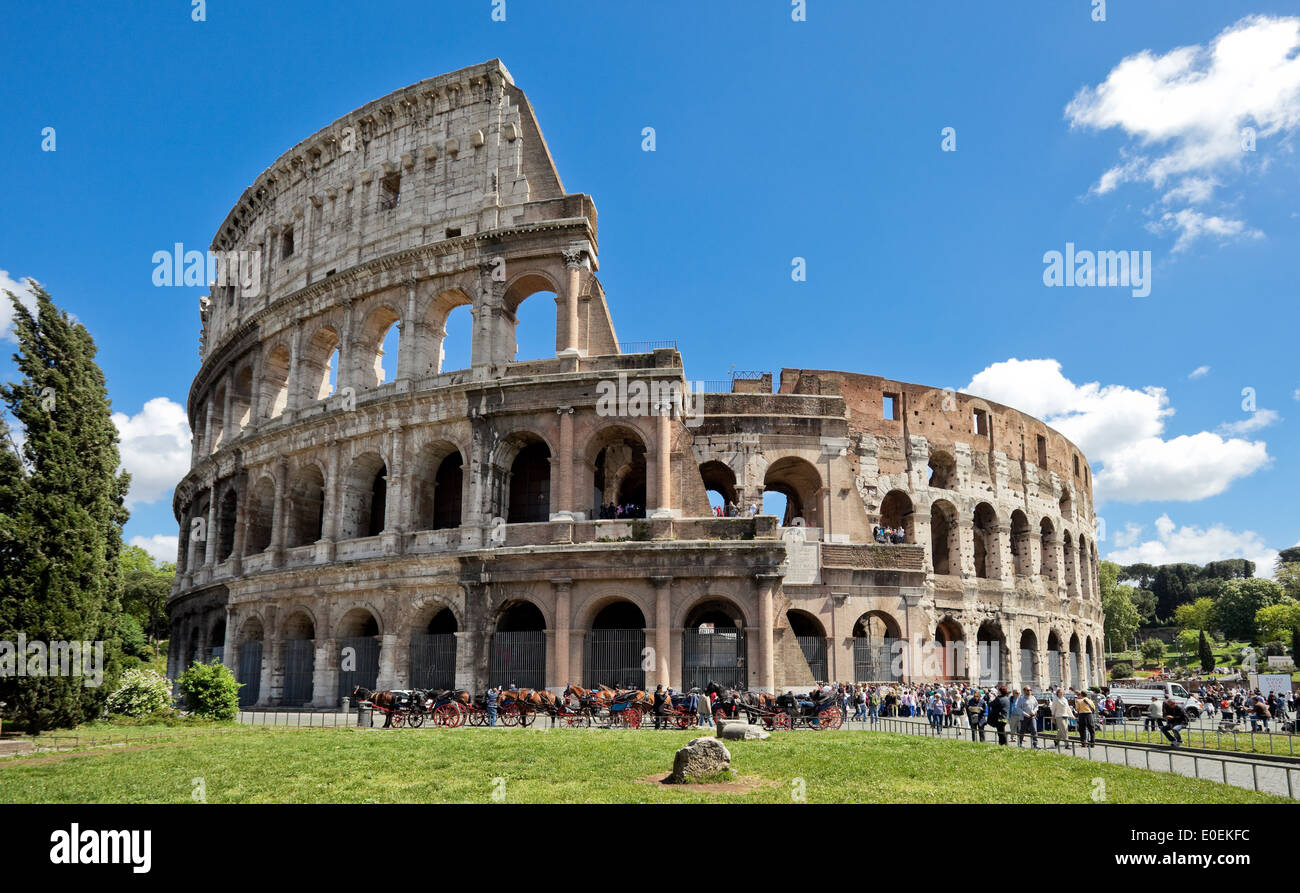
351, 517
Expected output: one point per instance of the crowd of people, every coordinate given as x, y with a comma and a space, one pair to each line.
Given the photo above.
614, 512
889, 534
731, 510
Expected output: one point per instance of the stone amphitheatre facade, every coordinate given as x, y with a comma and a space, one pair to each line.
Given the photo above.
351, 520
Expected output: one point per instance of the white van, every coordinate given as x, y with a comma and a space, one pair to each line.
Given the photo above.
1137, 696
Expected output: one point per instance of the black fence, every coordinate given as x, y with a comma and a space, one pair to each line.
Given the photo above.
814, 651
873, 660
714, 654
518, 658
614, 657
250, 673
433, 661
358, 664
299, 666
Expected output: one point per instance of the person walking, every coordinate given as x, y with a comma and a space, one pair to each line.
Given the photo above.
1085, 712
1061, 713
999, 708
1014, 718
1155, 716
705, 711
975, 713
1028, 718
659, 701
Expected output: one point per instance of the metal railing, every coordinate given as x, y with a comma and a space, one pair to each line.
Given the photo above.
647, 346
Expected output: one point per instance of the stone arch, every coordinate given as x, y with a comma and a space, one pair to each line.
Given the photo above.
714, 644
994, 658
719, 478
1022, 554
1047, 545
1030, 671
984, 534
943, 470
616, 457
365, 496
1085, 568
896, 511
587, 611
1066, 504
358, 632
298, 656
433, 645
438, 485
306, 505
521, 478
950, 645
259, 514
319, 358
227, 514
241, 397
945, 538
810, 635
614, 647
438, 321
518, 290
216, 422
876, 635
517, 650
1055, 658
694, 613
1076, 663
371, 336
799, 481
274, 398
1071, 571
358, 620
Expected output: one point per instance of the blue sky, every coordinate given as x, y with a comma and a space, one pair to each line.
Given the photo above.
775, 139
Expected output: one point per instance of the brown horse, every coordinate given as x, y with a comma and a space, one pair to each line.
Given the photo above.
381, 699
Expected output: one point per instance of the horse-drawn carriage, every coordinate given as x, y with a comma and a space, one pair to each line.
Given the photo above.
817, 710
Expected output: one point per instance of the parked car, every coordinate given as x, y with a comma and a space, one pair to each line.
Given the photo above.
1137, 697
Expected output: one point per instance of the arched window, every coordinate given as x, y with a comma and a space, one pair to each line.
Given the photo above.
1047, 544
945, 550
306, 506
985, 533
438, 485
896, 512
226, 515
720, 483
1021, 544
260, 511
364, 497
275, 382
800, 483
943, 470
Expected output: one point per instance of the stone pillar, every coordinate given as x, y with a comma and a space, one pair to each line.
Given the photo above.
964, 561
207, 429
272, 673
227, 423
663, 461
241, 533
346, 375
573, 264
563, 671
663, 632
387, 677
293, 382
565, 508
269, 649
325, 674
255, 392
766, 639
279, 521
210, 533
1005, 552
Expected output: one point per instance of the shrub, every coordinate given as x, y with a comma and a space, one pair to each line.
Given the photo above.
142, 692
210, 691
1121, 670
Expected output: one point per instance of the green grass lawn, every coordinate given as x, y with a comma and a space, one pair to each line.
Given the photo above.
266, 765
1207, 738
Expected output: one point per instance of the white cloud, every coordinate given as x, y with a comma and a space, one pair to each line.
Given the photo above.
1121, 429
24, 293
1193, 113
1199, 372
1253, 422
161, 546
155, 448
1295, 395
1173, 544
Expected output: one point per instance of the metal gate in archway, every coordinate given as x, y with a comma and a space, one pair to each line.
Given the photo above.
518, 658
299, 667
873, 660
250, 673
814, 651
358, 664
714, 654
614, 657
433, 660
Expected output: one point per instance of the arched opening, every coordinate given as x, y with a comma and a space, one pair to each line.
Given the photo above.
896, 514
217, 642
1022, 555
249, 668
318, 366
530, 307
306, 506
985, 534
358, 633
517, 654
1030, 673
1067, 504
618, 475
1071, 572
241, 398
991, 648
1047, 548
713, 646
615, 647
198, 531
365, 490
811, 636
1055, 660
1085, 568
216, 422
299, 660
950, 647
433, 652
943, 470
1087, 661
450, 325
377, 347
260, 514
876, 636
438, 486
193, 653
800, 483
945, 549
275, 382
720, 483
226, 515
523, 495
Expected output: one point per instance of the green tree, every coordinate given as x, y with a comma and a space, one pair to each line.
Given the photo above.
1152, 650
1198, 615
210, 691
1240, 602
61, 511
1172, 585
1206, 653
1188, 639
1276, 622
145, 586
1142, 574
1145, 602
1121, 616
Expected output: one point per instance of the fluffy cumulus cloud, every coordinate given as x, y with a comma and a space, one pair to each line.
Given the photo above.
24, 293
1195, 116
1122, 430
155, 448
1195, 545
160, 546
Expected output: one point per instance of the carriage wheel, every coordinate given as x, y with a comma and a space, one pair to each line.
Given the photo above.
830, 718
477, 718
632, 718
781, 722
527, 717
416, 719
444, 716
509, 715
397, 720
684, 720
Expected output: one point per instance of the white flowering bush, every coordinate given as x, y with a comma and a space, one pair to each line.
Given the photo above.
142, 693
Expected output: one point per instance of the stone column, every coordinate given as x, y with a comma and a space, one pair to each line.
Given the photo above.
210, 533
563, 587
663, 631
227, 423
279, 523
207, 429
766, 639
255, 393
272, 672
1005, 552
663, 461
573, 264
565, 508
241, 532
964, 562
293, 382
387, 677
346, 375
325, 674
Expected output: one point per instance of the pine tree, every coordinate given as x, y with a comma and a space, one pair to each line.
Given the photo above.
61, 512
1207, 654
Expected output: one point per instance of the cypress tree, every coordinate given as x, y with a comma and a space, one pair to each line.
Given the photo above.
1207, 654
61, 512
1295, 646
